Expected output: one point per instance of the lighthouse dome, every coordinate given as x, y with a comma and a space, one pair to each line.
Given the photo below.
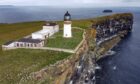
67, 16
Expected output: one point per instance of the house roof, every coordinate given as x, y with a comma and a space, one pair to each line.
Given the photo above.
29, 40
9, 42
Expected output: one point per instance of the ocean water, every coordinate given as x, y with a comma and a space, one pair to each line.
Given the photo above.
124, 66
121, 68
35, 13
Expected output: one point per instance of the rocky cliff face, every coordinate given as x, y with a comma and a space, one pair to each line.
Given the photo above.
80, 66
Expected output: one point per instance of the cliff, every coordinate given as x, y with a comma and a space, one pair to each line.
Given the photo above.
71, 69
100, 37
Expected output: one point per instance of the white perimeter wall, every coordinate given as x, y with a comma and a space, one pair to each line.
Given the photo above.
37, 36
51, 28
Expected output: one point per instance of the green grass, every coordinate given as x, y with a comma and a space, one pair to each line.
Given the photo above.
17, 64
18, 30
82, 23
57, 41
25, 61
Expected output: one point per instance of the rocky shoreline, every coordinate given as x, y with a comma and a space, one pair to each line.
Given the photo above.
86, 67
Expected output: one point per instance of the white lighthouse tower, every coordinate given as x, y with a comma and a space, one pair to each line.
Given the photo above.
67, 32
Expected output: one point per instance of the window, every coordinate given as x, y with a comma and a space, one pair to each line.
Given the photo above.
45, 36
28, 45
17, 44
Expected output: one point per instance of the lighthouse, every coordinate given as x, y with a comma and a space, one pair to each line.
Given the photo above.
67, 32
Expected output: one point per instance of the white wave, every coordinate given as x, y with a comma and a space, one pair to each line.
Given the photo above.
115, 67
110, 52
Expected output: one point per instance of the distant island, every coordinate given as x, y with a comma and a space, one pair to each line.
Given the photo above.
107, 11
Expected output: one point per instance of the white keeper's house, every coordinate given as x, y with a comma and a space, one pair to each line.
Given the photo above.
48, 30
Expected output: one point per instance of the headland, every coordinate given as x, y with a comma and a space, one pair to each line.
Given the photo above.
100, 35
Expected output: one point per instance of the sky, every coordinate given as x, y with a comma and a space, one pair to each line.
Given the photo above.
71, 3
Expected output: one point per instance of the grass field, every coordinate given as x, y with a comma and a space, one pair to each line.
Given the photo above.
18, 30
17, 64
57, 41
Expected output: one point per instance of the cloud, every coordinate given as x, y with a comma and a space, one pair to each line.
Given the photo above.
71, 2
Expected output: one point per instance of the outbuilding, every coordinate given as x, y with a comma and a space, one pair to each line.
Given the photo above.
48, 30
29, 43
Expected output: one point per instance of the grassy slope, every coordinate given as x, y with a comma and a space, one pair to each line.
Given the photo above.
68, 43
17, 30
17, 64
24, 61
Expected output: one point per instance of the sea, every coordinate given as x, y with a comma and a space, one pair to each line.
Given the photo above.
121, 68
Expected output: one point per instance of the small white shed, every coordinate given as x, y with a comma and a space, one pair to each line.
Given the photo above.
48, 30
